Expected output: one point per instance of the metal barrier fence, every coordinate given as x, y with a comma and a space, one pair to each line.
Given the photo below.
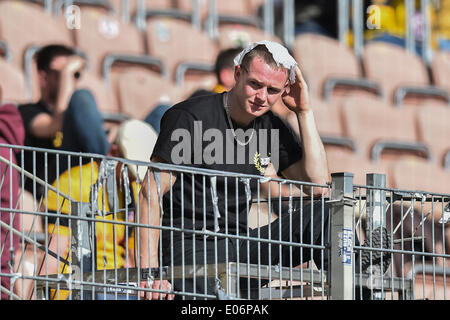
80, 236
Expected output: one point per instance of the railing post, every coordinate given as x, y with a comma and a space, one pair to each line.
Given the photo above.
81, 253
376, 214
342, 237
376, 201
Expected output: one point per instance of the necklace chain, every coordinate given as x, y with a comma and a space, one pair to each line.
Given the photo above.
231, 124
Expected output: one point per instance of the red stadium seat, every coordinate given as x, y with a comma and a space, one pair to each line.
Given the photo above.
12, 83
175, 41
440, 68
329, 125
103, 34
381, 131
360, 166
419, 175
434, 129
23, 24
402, 75
329, 67
132, 5
141, 90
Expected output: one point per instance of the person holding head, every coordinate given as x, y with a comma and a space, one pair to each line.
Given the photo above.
65, 118
264, 73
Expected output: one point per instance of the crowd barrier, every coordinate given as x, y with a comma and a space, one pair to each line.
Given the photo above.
79, 237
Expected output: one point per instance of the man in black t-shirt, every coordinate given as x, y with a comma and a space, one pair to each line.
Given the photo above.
65, 118
234, 132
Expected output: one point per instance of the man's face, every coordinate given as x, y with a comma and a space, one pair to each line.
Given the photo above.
259, 87
50, 79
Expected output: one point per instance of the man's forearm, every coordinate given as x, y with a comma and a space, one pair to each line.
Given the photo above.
314, 157
149, 236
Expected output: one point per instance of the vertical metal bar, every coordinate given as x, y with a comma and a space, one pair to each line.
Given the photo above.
46, 219
227, 275
194, 262
426, 47
280, 251
258, 226
444, 275
205, 262
311, 241
433, 237
195, 15
80, 244
238, 277
289, 22
341, 260
248, 206
269, 197
141, 14
269, 17
183, 279
213, 20
172, 276
376, 216
125, 10
343, 20
290, 240
409, 13
301, 241
358, 40
48, 6
391, 245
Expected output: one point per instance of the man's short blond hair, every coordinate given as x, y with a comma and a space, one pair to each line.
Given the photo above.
262, 52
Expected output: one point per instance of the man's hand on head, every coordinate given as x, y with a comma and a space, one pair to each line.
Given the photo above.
296, 96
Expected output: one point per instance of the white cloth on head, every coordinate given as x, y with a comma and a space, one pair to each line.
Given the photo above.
279, 53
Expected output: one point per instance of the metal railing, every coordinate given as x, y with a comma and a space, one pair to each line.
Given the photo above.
335, 241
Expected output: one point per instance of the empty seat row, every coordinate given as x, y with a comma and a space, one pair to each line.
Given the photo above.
379, 133
387, 70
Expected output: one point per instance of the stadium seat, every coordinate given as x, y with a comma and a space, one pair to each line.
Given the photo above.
344, 161
434, 130
237, 35
24, 24
100, 5
381, 131
104, 34
132, 5
329, 125
329, 67
12, 83
440, 69
237, 11
187, 7
419, 174
141, 90
180, 47
416, 174
402, 75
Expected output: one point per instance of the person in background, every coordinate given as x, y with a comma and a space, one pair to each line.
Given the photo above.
65, 118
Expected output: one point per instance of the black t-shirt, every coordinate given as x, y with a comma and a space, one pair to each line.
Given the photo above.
197, 133
29, 112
